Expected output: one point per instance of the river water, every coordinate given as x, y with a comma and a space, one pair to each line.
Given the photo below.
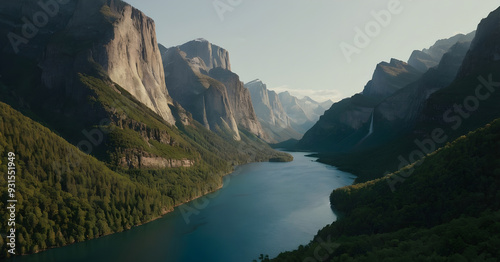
263, 208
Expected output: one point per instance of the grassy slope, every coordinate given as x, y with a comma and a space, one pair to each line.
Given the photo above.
446, 209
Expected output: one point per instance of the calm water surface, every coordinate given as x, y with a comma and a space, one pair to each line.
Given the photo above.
263, 208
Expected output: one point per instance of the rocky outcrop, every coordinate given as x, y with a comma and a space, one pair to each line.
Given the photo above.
154, 162
198, 76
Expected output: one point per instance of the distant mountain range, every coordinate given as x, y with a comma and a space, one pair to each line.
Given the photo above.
282, 115
390, 108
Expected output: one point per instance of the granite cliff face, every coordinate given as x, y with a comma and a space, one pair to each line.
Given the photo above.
271, 113
198, 76
121, 41
213, 56
240, 101
204, 97
267, 104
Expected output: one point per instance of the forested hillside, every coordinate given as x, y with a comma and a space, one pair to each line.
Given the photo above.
66, 196
446, 206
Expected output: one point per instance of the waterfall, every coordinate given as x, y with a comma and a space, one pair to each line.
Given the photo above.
370, 131
371, 127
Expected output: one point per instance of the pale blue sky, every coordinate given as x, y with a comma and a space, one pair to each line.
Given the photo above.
295, 44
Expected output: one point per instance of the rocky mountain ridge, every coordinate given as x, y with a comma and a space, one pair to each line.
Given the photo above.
198, 76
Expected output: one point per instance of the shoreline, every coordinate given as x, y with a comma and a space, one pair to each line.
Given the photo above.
163, 214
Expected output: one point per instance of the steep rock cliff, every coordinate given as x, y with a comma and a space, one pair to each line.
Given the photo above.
121, 40
198, 66
204, 97
271, 113
239, 100
389, 78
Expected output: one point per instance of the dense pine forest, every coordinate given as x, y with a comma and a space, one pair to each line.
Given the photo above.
446, 210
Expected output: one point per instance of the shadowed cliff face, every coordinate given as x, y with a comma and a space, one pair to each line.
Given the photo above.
389, 78
198, 76
474, 90
82, 36
347, 122
391, 102
427, 58
485, 48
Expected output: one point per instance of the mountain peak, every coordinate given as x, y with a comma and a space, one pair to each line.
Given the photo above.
390, 77
201, 40
255, 81
213, 56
